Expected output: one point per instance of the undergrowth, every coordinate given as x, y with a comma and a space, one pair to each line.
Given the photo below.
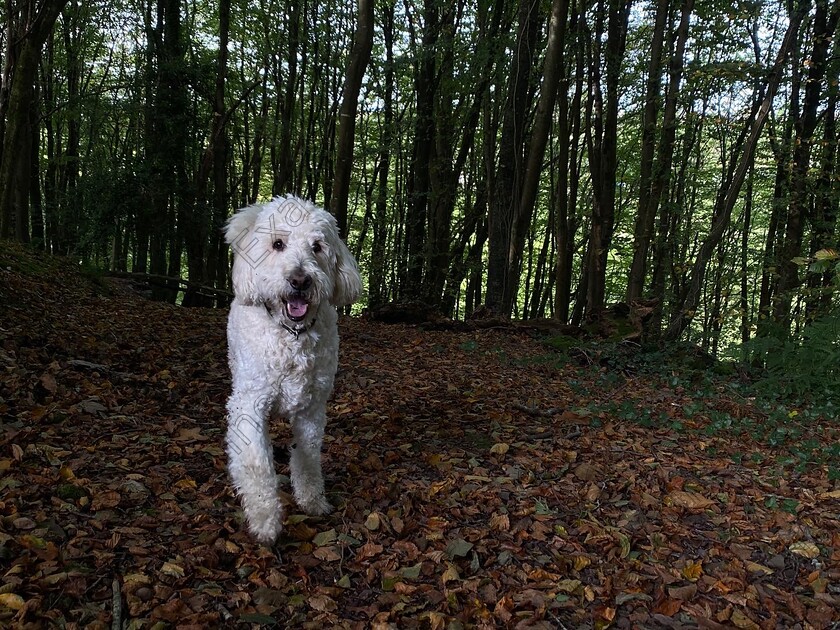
786, 411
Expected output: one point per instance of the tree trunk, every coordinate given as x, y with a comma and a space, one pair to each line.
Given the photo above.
425, 88
553, 68
654, 177
827, 204
38, 238
510, 169
744, 300
446, 166
36, 21
825, 24
377, 288
283, 174
357, 63
459, 262
568, 180
167, 111
603, 160
199, 217
727, 198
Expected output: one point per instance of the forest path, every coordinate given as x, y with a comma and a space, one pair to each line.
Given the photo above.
482, 479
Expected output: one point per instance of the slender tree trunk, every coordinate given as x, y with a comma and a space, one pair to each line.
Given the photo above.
217, 254
603, 152
378, 272
213, 162
69, 204
827, 205
167, 112
425, 88
510, 169
537, 305
654, 177
285, 158
727, 198
825, 24
459, 266
744, 301
36, 21
568, 179
35, 199
781, 145
446, 167
552, 70
359, 58
442, 173
644, 222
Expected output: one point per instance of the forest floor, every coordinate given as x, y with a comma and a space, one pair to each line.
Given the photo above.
482, 479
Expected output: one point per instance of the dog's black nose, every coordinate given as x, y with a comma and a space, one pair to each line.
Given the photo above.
300, 282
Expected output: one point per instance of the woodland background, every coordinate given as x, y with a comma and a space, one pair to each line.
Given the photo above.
543, 159
564, 163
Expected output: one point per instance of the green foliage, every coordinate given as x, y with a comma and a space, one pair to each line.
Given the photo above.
785, 434
805, 369
824, 261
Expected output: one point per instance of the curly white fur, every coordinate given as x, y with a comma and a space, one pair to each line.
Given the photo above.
290, 270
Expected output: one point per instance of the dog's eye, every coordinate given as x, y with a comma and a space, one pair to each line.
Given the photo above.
278, 245
316, 247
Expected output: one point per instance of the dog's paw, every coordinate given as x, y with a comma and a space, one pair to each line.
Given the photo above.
316, 506
264, 519
267, 531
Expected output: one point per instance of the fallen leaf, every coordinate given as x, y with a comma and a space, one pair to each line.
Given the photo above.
805, 549
24, 522
322, 603
692, 570
368, 550
500, 522
325, 538
327, 554
754, 567
741, 620
451, 573
12, 601
106, 499
500, 448
586, 472
684, 593
190, 434
458, 548
48, 382
668, 607
344, 581
690, 500
172, 569
568, 586
412, 572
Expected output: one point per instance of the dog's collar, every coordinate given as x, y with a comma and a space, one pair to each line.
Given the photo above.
296, 331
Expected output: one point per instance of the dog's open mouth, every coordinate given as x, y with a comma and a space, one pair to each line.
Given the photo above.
296, 307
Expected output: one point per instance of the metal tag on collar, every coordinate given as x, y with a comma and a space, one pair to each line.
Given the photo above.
295, 331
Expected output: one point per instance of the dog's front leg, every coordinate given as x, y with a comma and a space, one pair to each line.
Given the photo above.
305, 462
251, 464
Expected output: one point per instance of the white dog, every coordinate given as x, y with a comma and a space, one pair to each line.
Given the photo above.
290, 271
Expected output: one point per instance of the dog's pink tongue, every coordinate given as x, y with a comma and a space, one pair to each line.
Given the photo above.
297, 307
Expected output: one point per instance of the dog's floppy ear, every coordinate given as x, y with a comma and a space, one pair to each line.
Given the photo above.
348, 283
240, 235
